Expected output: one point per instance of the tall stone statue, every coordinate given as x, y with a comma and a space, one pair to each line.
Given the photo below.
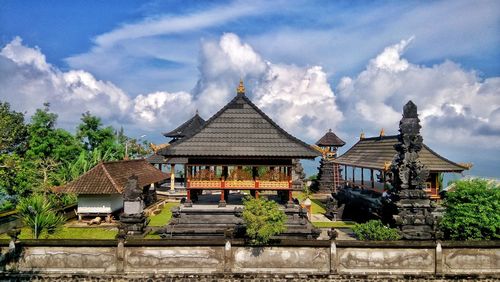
414, 217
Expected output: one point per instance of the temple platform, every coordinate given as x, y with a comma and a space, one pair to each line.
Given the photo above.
205, 219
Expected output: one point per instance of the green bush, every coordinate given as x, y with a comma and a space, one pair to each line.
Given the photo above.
263, 219
375, 230
472, 211
37, 214
60, 201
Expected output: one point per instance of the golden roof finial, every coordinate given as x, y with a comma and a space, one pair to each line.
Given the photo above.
362, 135
382, 132
241, 88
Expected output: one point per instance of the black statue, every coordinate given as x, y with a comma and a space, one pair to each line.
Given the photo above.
132, 190
408, 175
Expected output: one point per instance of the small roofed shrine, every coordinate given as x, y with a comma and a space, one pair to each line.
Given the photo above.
375, 154
239, 148
329, 173
99, 191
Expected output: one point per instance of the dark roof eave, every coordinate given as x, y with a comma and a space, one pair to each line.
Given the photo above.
381, 168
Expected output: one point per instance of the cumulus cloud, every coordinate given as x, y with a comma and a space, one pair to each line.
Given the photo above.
455, 104
28, 81
31, 81
298, 98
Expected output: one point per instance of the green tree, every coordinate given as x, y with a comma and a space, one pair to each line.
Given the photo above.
17, 176
263, 219
37, 214
375, 230
472, 211
49, 147
13, 130
93, 134
46, 141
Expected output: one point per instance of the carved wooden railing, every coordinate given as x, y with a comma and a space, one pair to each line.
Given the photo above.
238, 184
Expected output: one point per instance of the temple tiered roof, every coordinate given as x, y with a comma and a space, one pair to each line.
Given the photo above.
330, 139
187, 128
240, 129
378, 152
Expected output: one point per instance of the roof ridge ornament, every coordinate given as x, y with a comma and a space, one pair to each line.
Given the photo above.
382, 132
241, 88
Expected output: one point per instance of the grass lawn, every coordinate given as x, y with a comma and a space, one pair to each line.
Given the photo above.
317, 206
164, 216
334, 224
71, 233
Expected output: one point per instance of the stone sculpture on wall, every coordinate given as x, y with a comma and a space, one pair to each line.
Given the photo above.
133, 220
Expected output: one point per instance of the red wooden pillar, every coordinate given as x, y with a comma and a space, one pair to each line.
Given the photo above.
256, 194
222, 201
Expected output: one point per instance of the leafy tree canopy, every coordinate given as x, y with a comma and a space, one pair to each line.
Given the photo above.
45, 141
472, 211
93, 134
13, 130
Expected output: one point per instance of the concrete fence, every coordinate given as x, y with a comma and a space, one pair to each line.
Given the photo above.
355, 258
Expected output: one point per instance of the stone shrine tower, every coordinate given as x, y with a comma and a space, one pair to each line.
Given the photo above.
414, 219
329, 174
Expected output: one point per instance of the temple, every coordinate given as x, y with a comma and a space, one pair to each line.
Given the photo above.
239, 148
376, 154
329, 173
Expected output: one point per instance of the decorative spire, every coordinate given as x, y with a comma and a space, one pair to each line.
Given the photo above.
382, 132
241, 88
362, 135
197, 112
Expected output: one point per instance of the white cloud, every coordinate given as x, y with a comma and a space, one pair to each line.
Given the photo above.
168, 24
298, 98
28, 81
456, 106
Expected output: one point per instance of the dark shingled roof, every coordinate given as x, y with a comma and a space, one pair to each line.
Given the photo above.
187, 128
330, 139
240, 129
374, 152
111, 177
155, 159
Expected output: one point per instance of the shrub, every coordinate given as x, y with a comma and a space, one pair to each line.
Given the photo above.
263, 219
375, 230
60, 201
472, 211
38, 215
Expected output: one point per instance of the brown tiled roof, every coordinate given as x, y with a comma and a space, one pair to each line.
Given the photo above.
111, 177
187, 128
375, 152
240, 129
330, 139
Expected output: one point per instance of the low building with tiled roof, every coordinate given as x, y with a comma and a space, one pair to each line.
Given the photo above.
377, 153
99, 190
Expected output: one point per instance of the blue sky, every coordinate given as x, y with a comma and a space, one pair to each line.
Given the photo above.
311, 65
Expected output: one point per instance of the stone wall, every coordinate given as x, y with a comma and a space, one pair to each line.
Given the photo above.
232, 259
